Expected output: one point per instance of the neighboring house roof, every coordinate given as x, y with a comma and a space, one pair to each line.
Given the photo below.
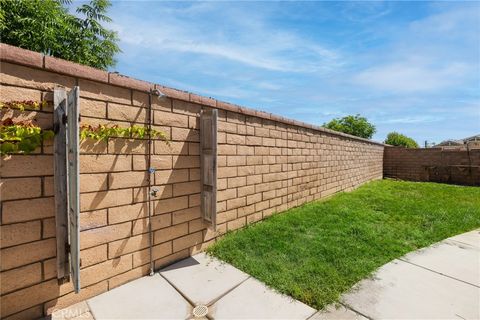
450, 143
460, 142
472, 138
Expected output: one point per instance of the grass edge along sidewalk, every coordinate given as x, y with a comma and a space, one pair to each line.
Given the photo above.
318, 251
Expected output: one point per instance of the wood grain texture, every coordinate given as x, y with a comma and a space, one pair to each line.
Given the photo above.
73, 106
60, 181
208, 165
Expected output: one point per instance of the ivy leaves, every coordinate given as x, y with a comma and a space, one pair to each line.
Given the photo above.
26, 137
103, 132
22, 138
22, 105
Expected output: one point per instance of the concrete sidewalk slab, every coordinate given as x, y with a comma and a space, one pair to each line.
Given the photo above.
438, 282
337, 313
451, 258
202, 278
145, 298
401, 290
472, 238
78, 310
253, 300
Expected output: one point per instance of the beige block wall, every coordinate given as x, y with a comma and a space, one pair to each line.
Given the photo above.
267, 164
455, 166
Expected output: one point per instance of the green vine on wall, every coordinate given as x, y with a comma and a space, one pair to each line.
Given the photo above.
103, 132
24, 136
21, 136
22, 105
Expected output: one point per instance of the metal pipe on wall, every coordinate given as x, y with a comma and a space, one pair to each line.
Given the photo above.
152, 192
151, 171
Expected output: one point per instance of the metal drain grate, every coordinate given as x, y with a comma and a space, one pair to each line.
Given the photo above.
200, 311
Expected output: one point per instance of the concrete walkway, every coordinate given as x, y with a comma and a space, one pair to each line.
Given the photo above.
438, 282
199, 287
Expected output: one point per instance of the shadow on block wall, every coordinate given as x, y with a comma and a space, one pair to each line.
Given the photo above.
266, 164
433, 164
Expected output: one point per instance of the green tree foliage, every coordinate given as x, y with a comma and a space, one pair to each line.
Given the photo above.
46, 26
400, 140
354, 125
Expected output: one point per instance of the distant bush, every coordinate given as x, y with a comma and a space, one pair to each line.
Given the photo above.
400, 140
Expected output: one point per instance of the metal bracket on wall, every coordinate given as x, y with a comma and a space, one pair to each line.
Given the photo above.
66, 183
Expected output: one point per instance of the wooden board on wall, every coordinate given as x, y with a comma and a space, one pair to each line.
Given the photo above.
73, 171
60, 179
208, 165
66, 184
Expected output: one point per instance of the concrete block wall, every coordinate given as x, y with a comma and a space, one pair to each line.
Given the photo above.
456, 166
266, 164
266, 167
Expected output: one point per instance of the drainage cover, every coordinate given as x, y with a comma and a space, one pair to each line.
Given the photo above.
200, 311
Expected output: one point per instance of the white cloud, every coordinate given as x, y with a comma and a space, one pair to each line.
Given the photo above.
365, 11
268, 85
438, 52
411, 76
247, 40
412, 119
453, 22
316, 61
218, 91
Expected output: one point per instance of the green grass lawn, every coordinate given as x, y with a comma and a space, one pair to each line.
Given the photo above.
316, 252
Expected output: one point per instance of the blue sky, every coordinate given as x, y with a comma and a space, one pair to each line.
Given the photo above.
412, 67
